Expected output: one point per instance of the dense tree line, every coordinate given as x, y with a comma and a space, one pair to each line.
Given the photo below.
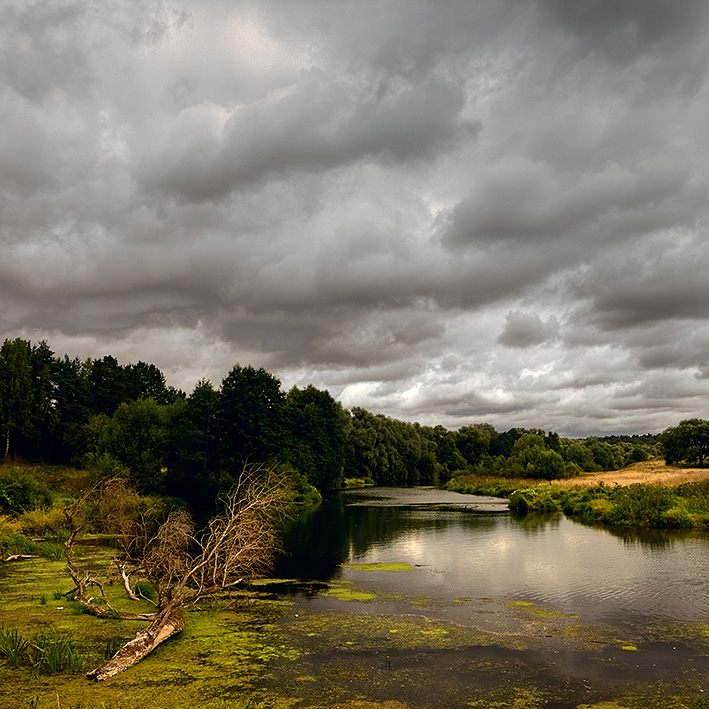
126, 419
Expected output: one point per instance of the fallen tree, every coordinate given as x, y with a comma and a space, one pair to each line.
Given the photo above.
181, 564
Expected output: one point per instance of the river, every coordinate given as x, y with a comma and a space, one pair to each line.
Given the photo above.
464, 547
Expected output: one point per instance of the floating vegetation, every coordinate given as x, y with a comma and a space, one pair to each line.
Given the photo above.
344, 592
392, 566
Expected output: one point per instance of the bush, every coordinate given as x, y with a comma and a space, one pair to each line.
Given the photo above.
40, 523
678, 517
532, 500
144, 589
19, 492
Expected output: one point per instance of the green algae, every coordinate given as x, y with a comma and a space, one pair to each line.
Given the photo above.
390, 566
258, 650
343, 591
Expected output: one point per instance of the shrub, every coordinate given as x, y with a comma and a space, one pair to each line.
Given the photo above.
42, 522
678, 517
19, 492
144, 589
532, 500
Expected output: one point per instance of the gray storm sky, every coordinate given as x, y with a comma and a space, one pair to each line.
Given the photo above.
447, 212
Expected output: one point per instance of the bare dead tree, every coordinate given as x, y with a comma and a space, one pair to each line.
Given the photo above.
109, 501
239, 543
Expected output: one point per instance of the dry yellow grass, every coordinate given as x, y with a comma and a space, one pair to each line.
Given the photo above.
653, 472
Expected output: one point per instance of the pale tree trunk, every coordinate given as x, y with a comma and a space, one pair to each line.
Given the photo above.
167, 623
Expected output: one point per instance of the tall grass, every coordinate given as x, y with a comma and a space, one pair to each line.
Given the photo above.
51, 654
654, 506
13, 542
46, 653
13, 647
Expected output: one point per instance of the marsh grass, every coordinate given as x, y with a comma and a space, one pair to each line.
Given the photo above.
46, 653
53, 653
13, 647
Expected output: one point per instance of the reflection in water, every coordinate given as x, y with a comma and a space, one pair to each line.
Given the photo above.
549, 559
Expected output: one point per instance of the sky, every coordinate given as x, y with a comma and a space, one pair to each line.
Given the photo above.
445, 212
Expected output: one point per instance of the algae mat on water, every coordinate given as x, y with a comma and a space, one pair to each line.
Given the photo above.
272, 651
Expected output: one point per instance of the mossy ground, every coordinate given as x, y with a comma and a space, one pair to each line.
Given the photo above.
261, 650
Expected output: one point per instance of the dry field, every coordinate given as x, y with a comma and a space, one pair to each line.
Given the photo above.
649, 472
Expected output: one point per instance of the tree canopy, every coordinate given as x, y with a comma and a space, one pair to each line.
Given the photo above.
125, 419
688, 441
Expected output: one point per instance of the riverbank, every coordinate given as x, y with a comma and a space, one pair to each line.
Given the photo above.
647, 495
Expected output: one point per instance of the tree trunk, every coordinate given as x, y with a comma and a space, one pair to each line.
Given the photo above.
167, 623
7, 442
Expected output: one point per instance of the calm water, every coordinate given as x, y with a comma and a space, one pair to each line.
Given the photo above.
592, 572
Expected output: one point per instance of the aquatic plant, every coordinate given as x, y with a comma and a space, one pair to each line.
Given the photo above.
50, 654
13, 646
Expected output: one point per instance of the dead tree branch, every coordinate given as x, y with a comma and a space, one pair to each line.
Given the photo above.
238, 543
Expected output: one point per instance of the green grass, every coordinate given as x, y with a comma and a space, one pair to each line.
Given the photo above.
684, 506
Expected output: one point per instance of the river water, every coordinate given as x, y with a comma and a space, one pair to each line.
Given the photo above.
459, 553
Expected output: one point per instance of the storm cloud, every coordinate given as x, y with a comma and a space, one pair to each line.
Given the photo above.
446, 212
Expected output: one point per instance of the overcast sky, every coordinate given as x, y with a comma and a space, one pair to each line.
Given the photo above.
446, 212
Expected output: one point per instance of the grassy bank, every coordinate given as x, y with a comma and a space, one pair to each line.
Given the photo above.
650, 504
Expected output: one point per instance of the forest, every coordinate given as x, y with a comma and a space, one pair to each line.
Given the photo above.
123, 419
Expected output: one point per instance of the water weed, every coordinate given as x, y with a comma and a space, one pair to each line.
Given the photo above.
50, 654
13, 646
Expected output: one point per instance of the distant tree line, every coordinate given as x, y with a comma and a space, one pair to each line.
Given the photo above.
126, 419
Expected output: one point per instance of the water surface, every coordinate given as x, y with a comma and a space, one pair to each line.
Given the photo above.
592, 572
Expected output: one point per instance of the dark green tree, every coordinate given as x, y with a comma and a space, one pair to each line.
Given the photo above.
143, 381
136, 436
107, 382
447, 453
316, 428
71, 394
45, 416
579, 453
16, 393
688, 441
474, 442
250, 419
192, 460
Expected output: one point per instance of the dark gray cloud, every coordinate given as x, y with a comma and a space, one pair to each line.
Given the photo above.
527, 329
446, 212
